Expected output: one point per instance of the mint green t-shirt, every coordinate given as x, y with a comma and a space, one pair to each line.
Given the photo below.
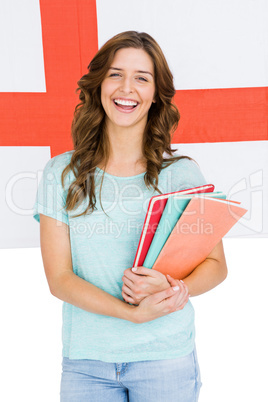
102, 247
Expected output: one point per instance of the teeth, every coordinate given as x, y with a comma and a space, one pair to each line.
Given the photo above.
125, 102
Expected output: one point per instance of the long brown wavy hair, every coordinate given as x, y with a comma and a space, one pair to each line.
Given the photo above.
91, 144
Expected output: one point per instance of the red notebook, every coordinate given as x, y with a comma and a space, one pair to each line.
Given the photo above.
154, 211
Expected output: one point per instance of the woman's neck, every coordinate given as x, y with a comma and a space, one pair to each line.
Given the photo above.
125, 152
125, 145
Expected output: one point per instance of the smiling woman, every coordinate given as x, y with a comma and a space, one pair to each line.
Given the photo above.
143, 68
127, 335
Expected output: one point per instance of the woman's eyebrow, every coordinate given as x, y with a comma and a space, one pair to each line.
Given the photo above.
138, 71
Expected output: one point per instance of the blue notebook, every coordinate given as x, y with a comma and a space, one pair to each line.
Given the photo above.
170, 216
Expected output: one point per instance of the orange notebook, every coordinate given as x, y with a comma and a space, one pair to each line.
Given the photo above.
202, 225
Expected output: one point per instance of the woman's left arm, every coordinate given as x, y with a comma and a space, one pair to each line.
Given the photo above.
144, 282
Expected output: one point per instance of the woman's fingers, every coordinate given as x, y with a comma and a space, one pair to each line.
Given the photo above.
144, 282
128, 298
151, 273
177, 288
131, 275
136, 286
183, 298
181, 306
127, 281
173, 282
126, 290
161, 303
184, 293
165, 294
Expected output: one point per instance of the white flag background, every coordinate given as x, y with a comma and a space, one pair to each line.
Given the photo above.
218, 53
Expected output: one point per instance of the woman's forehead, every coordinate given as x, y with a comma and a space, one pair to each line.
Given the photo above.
136, 59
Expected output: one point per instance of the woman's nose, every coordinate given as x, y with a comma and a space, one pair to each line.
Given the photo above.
126, 85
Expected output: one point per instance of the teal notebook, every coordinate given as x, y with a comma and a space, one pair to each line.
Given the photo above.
170, 216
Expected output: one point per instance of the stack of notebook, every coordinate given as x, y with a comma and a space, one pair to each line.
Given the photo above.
181, 229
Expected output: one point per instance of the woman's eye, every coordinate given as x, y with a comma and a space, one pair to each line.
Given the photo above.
142, 79
114, 75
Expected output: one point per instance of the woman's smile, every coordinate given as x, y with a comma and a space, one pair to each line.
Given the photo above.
125, 105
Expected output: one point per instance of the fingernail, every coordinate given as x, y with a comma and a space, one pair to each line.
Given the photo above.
134, 269
176, 288
182, 281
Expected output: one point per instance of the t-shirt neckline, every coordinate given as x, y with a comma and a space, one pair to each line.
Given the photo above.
121, 177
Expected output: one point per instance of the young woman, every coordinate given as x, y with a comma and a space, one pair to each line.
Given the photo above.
127, 334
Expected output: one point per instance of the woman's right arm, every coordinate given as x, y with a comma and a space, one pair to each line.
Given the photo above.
67, 286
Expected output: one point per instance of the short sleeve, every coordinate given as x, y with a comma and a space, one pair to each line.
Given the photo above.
191, 174
184, 174
51, 197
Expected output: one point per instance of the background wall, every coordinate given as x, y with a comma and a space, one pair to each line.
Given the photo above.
218, 54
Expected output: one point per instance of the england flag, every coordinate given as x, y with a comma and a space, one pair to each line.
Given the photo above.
218, 54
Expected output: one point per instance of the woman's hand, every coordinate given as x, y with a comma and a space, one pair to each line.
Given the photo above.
141, 282
162, 303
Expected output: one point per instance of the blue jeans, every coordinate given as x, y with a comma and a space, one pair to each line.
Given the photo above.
145, 381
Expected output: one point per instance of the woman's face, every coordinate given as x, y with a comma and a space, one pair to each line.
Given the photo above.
127, 92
